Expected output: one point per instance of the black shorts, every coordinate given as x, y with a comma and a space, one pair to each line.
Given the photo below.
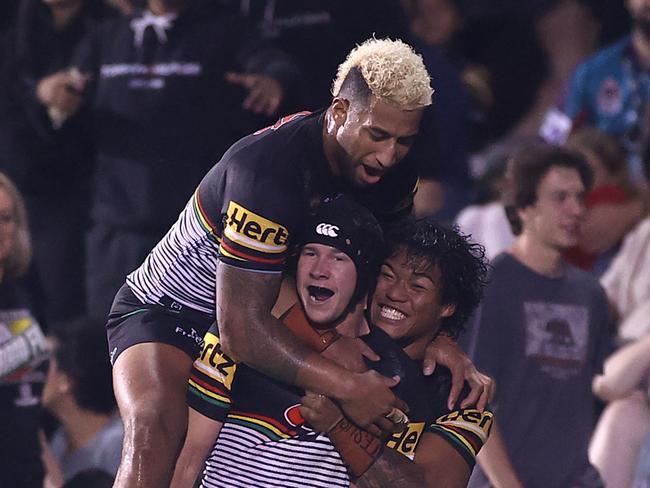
132, 322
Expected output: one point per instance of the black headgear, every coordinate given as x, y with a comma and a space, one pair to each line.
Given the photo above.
342, 223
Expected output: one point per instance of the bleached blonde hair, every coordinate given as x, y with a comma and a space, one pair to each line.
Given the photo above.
393, 71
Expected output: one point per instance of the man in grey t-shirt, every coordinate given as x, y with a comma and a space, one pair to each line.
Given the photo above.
541, 332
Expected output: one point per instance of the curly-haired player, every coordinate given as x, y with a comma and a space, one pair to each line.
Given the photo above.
223, 258
430, 284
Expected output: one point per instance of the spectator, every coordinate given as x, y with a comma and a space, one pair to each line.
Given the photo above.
612, 187
319, 33
627, 284
567, 31
22, 349
164, 107
443, 148
624, 426
79, 393
610, 90
52, 168
545, 41
486, 221
541, 331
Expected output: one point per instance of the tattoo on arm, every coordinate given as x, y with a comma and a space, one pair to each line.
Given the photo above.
394, 470
248, 331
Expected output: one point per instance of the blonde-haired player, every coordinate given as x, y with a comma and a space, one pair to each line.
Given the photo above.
231, 241
391, 70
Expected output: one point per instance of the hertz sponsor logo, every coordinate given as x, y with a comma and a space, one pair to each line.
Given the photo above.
406, 442
214, 362
328, 230
479, 423
253, 231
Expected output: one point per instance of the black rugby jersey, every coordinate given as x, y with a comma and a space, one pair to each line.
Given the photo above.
264, 438
247, 208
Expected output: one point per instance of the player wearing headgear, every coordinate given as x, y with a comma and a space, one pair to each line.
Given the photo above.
264, 440
341, 246
430, 283
231, 243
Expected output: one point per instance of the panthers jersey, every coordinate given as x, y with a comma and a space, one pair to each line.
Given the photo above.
248, 207
264, 440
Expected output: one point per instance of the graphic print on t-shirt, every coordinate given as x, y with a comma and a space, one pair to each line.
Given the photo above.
556, 337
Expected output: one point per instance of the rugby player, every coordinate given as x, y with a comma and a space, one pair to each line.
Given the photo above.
264, 441
431, 283
224, 258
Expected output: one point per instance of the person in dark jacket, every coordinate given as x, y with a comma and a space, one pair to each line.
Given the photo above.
51, 168
22, 349
168, 90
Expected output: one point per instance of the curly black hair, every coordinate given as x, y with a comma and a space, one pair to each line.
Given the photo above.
462, 264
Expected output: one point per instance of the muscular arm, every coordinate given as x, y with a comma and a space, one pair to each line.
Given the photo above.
250, 334
443, 466
437, 464
395, 470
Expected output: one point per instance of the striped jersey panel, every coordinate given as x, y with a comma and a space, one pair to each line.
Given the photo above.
244, 457
182, 266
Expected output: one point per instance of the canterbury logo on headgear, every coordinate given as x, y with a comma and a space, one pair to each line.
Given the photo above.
328, 230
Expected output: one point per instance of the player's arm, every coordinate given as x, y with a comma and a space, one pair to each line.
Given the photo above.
437, 465
446, 351
495, 462
209, 400
250, 334
443, 465
395, 470
202, 432
365, 454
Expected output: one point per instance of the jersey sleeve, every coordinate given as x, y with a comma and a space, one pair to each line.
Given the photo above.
253, 210
211, 379
465, 429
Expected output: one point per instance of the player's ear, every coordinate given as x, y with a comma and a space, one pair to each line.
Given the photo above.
339, 109
448, 310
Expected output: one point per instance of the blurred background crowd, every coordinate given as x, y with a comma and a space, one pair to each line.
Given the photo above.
112, 110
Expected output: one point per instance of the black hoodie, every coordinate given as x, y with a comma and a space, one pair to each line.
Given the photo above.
162, 110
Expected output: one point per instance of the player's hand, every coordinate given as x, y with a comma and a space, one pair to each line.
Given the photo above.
445, 350
349, 353
320, 412
370, 400
265, 93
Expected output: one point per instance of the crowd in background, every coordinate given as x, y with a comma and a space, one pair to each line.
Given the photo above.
110, 115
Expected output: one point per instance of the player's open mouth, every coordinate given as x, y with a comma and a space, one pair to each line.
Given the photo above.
391, 313
377, 172
319, 294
